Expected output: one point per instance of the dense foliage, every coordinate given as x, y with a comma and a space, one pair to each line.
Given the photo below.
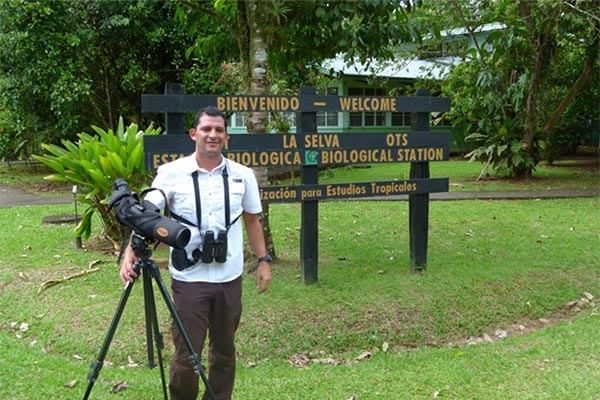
527, 93
68, 64
529, 90
93, 163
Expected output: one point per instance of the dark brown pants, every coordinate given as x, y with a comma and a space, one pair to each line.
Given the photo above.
205, 307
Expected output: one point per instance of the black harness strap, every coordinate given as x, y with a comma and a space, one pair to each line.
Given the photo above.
226, 190
228, 223
181, 219
197, 196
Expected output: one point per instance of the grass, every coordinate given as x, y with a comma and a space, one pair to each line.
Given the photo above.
496, 268
573, 173
578, 173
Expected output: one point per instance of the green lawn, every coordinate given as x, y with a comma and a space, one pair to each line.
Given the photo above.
572, 173
507, 308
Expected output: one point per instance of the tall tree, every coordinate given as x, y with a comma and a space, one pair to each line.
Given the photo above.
252, 59
540, 61
287, 37
545, 24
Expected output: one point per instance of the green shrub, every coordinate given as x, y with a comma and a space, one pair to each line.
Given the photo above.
93, 163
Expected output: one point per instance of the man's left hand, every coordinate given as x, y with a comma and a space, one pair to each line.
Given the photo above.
263, 277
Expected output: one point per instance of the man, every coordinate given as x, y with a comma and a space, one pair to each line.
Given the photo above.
208, 193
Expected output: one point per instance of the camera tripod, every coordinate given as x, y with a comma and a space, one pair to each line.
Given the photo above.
148, 269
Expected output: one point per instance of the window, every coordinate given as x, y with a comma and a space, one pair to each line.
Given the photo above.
282, 121
238, 120
367, 118
328, 118
401, 119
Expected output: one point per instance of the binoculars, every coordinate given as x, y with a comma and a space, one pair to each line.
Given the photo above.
214, 248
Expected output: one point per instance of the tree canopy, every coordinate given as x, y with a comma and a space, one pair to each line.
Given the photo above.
68, 64
529, 92
522, 94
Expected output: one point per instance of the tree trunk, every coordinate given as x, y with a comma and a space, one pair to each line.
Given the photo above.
253, 61
586, 72
543, 47
257, 121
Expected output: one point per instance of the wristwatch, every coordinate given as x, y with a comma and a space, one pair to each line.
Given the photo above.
266, 258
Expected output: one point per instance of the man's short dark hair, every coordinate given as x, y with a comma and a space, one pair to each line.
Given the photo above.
211, 111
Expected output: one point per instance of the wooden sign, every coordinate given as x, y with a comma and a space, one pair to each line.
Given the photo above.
309, 149
180, 103
268, 150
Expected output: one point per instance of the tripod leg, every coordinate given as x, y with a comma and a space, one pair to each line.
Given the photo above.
159, 346
152, 327
97, 365
150, 311
194, 358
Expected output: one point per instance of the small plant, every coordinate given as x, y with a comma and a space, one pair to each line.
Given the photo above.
507, 157
93, 163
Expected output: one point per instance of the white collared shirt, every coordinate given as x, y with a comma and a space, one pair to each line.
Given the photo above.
175, 180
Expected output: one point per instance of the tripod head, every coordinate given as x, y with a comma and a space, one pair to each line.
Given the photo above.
140, 246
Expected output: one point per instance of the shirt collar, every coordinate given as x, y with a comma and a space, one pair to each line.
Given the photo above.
191, 164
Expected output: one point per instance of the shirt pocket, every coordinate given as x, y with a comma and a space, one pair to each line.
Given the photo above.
184, 205
237, 190
237, 187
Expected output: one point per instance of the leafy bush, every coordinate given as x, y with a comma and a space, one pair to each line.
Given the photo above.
506, 156
93, 164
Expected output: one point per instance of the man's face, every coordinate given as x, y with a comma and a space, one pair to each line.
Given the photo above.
210, 135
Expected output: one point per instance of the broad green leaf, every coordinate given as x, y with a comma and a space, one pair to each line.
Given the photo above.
119, 167
50, 162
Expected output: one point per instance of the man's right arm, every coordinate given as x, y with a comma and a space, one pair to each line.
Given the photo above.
127, 273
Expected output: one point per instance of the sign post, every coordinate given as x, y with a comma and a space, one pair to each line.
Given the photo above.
174, 122
307, 149
309, 234
418, 204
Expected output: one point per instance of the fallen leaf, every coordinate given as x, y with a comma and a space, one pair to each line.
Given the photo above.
130, 362
363, 356
71, 384
326, 361
501, 333
299, 360
119, 387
